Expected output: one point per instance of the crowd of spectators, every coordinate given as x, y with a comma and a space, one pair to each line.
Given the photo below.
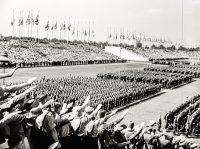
34, 54
34, 115
154, 54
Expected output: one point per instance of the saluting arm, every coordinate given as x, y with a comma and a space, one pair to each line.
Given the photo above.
17, 87
86, 102
20, 96
9, 74
95, 111
40, 107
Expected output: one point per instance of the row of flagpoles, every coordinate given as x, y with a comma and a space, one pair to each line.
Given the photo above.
30, 22
83, 31
121, 36
67, 29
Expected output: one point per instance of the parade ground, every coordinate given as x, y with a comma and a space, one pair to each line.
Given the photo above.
144, 111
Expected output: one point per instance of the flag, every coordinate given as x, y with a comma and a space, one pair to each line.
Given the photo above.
73, 31
28, 20
77, 32
52, 27
61, 26
85, 33
47, 26
69, 27
133, 37
32, 20
89, 32
55, 26
64, 26
110, 36
92, 33
37, 19
12, 22
21, 21
116, 36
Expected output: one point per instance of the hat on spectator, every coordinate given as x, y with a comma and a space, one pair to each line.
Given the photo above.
120, 127
57, 105
101, 113
89, 109
28, 104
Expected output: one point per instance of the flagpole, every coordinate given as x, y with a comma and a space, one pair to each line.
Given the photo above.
85, 35
31, 21
64, 29
68, 32
81, 31
93, 31
28, 23
77, 31
22, 24
52, 28
13, 23
19, 23
60, 27
48, 29
56, 28
37, 25
74, 33
89, 32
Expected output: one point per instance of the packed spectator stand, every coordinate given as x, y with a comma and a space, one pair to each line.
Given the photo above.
166, 54
45, 54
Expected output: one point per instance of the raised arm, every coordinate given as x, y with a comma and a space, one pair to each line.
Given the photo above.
116, 121
86, 102
94, 113
17, 87
9, 74
66, 108
20, 96
40, 107
111, 114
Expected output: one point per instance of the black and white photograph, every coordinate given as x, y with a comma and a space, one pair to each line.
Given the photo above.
100, 74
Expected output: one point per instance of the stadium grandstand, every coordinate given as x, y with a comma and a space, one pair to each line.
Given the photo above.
136, 89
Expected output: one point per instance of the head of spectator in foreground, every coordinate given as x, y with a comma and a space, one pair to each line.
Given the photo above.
101, 113
57, 107
120, 127
131, 125
88, 110
43, 98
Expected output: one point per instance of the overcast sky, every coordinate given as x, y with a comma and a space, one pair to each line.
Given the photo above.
155, 18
